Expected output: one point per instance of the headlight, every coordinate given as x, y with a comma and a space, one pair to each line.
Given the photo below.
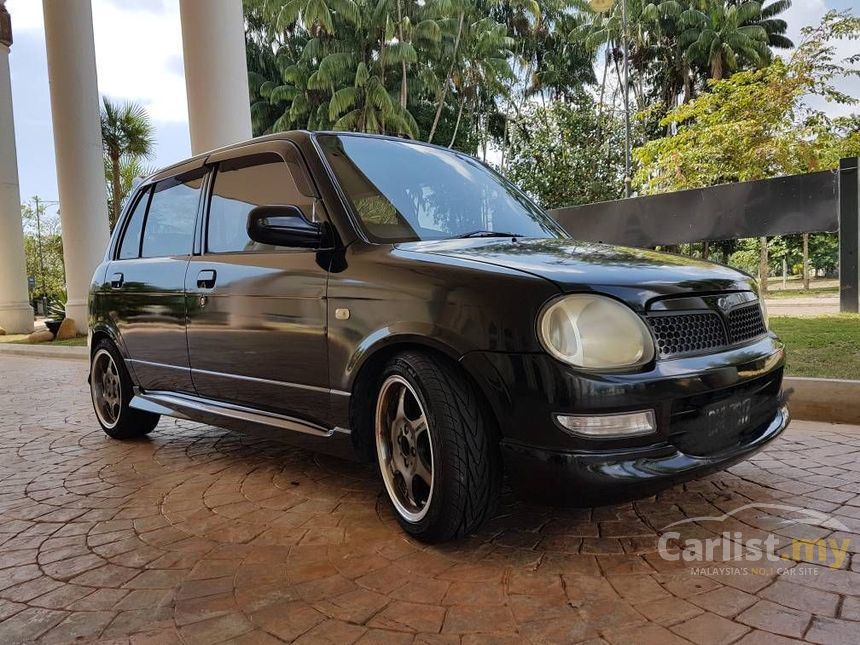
595, 332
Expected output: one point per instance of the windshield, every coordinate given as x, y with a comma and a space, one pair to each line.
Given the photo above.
403, 191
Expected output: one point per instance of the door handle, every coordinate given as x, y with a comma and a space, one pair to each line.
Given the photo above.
116, 281
206, 279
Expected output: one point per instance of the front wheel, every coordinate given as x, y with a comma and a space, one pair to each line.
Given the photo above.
436, 449
111, 392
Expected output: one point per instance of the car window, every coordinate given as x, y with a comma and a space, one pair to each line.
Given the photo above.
169, 228
403, 191
130, 247
241, 185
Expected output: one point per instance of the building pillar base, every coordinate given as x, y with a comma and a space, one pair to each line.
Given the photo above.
79, 312
16, 317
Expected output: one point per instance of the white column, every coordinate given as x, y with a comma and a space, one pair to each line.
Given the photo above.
78, 146
16, 314
216, 72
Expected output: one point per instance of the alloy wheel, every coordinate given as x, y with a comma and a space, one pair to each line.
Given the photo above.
404, 448
106, 388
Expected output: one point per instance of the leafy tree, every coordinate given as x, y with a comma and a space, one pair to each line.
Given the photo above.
757, 124
483, 69
723, 36
774, 26
566, 153
547, 64
746, 257
448, 71
824, 252
127, 136
553, 65
370, 66
674, 46
131, 169
43, 249
605, 30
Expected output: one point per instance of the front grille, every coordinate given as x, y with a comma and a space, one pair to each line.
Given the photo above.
699, 330
688, 333
746, 323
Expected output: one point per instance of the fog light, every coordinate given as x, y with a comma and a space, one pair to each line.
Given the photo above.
625, 424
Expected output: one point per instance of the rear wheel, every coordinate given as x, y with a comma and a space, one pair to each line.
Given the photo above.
436, 450
111, 391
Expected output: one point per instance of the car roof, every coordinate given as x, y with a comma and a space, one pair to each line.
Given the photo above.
294, 136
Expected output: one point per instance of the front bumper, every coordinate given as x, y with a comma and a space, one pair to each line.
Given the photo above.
593, 478
526, 391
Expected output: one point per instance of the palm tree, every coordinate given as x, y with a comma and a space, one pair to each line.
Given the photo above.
127, 135
327, 70
131, 169
460, 22
723, 37
484, 66
775, 27
646, 24
316, 16
676, 45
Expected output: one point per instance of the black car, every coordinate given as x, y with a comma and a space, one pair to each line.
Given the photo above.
401, 302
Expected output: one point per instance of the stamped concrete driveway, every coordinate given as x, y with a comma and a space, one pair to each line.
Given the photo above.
200, 535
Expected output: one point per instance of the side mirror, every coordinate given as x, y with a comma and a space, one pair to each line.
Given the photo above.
283, 226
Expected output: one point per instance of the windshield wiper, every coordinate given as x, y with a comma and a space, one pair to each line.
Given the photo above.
482, 233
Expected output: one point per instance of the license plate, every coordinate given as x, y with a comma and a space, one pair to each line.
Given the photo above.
729, 414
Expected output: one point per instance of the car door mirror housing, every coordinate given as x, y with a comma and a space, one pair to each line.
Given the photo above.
283, 226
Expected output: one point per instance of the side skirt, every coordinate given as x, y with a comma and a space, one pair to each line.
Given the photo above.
304, 434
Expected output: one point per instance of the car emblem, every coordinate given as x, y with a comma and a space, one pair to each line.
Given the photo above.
724, 303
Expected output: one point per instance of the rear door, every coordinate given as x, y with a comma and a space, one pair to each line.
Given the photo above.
147, 279
257, 313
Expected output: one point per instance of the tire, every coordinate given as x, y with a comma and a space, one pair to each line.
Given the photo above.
111, 392
429, 423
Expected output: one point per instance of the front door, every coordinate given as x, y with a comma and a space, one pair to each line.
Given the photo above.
257, 313
147, 281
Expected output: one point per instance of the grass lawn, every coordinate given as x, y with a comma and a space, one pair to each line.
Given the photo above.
822, 346
812, 292
80, 341
794, 288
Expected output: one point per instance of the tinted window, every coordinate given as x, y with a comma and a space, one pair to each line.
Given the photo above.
241, 185
130, 247
407, 191
169, 228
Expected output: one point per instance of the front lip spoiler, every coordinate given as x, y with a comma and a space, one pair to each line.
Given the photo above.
589, 477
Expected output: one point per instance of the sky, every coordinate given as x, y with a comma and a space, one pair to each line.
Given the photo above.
139, 58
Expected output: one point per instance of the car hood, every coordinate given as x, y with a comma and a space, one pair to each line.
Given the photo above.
632, 274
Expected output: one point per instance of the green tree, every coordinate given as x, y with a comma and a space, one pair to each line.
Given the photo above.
603, 32
824, 252
426, 69
724, 37
758, 124
43, 249
674, 46
483, 70
131, 169
127, 137
547, 64
566, 153
337, 72
774, 26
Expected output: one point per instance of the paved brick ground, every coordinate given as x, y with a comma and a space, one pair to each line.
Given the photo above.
199, 535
